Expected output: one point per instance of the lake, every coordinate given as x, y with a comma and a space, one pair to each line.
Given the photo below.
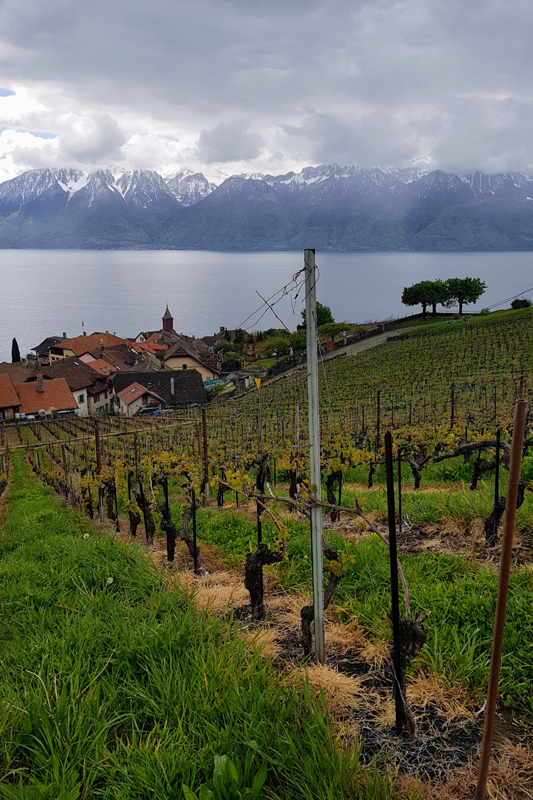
48, 292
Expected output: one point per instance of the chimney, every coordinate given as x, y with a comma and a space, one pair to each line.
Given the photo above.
172, 386
64, 335
40, 387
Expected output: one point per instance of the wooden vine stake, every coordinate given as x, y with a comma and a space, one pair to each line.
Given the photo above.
314, 450
503, 589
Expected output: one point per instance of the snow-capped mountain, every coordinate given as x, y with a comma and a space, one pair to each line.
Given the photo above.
331, 207
189, 187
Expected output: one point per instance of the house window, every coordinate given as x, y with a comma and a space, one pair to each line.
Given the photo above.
185, 366
81, 398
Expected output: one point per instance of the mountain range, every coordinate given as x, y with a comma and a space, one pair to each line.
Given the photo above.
329, 207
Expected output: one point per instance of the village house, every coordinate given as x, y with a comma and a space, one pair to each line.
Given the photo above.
175, 389
135, 397
192, 354
9, 399
83, 344
40, 395
42, 350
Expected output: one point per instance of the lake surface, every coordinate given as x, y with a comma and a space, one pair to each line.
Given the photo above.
48, 292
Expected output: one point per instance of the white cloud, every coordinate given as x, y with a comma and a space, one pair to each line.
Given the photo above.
267, 86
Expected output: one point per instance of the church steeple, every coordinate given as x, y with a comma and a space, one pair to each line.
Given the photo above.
168, 321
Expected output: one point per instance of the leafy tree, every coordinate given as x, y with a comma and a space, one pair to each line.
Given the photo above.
423, 293
464, 291
279, 344
15, 352
239, 336
323, 315
332, 329
521, 302
231, 361
298, 340
432, 293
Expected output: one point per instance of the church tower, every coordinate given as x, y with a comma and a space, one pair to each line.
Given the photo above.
168, 321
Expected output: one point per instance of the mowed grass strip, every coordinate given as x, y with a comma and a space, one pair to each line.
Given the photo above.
460, 595
111, 686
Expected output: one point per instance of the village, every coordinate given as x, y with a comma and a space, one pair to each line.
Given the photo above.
102, 373
157, 370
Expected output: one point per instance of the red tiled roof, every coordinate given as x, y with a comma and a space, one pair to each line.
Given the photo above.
56, 395
101, 367
17, 371
82, 344
8, 394
135, 390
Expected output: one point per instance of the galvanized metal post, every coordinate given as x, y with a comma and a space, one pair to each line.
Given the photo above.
314, 450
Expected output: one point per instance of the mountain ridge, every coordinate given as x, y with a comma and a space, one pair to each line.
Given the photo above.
330, 207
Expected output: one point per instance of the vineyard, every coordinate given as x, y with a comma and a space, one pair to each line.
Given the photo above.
234, 477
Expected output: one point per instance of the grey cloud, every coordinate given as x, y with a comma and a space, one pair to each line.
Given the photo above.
388, 80
329, 138
229, 141
101, 142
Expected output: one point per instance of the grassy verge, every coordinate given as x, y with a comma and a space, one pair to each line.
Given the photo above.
114, 687
460, 595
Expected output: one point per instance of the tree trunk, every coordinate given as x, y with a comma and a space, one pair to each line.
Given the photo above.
480, 467
168, 528
493, 520
135, 519
253, 577
110, 501
412, 638
185, 535
333, 477
149, 524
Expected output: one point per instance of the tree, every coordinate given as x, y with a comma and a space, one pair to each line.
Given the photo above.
464, 290
15, 352
423, 293
323, 315
437, 292
332, 329
298, 340
521, 302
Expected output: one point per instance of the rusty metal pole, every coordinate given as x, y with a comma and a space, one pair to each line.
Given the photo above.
503, 588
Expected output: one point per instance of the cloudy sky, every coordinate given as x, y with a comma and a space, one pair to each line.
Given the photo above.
228, 86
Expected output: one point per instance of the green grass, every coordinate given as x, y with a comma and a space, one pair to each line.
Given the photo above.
440, 324
129, 691
460, 595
